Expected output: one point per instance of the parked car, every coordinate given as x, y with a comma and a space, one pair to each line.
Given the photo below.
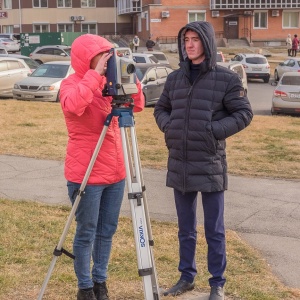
144, 58
13, 36
3, 50
32, 64
44, 83
286, 96
11, 70
255, 65
220, 56
9, 45
161, 57
152, 78
45, 54
289, 65
239, 69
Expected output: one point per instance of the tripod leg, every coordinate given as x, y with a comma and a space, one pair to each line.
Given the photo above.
58, 249
155, 285
139, 218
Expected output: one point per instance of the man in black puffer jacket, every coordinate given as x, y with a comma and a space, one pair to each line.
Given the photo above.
202, 104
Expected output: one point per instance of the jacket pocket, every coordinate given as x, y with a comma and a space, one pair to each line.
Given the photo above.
211, 141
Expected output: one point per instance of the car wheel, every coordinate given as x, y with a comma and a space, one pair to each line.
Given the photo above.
273, 113
266, 80
39, 61
276, 76
57, 97
145, 99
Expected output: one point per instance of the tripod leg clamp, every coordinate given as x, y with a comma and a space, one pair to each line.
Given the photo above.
145, 272
137, 196
57, 252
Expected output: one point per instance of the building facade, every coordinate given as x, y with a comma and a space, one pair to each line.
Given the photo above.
261, 22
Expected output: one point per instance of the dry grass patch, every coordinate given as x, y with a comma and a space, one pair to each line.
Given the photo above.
269, 147
30, 231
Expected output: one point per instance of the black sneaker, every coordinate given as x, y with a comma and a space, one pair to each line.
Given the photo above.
216, 293
179, 288
86, 295
101, 291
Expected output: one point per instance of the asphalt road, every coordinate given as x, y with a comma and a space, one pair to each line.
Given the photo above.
264, 212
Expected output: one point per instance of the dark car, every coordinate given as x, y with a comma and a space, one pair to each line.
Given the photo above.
153, 78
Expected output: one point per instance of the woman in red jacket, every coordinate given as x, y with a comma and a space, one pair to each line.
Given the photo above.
85, 110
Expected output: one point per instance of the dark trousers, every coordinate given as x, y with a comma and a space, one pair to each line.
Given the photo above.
213, 209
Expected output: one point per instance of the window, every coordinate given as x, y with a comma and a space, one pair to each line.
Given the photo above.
290, 19
8, 28
39, 28
88, 28
161, 73
6, 4
88, 3
14, 65
40, 3
65, 27
64, 3
260, 19
196, 16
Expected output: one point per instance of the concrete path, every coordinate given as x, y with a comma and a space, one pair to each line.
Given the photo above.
264, 212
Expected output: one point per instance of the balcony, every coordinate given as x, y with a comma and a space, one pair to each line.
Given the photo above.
254, 4
129, 6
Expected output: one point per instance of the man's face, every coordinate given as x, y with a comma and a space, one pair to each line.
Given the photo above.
194, 47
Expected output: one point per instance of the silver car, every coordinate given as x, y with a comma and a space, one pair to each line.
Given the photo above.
286, 96
44, 54
289, 65
152, 78
44, 83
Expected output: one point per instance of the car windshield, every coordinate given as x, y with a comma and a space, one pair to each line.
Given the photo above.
32, 64
5, 40
256, 60
160, 56
49, 70
68, 51
140, 72
290, 80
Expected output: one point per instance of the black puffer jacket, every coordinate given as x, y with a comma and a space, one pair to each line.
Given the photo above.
197, 118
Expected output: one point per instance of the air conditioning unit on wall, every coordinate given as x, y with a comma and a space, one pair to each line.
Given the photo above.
275, 13
215, 13
165, 14
77, 18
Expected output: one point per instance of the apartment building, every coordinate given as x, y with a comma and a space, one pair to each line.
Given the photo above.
260, 22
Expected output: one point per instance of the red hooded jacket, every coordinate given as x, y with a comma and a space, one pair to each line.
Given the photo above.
85, 111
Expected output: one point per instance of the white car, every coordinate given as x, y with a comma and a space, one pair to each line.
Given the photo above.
145, 58
9, 45
289, 65
239, 69
12, 69
44, 83
256, 65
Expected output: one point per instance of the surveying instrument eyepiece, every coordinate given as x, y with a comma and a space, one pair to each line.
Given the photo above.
120, 86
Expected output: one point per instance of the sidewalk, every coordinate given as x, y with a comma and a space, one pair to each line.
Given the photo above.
264, 212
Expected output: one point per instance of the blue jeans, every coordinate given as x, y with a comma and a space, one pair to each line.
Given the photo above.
213, 210
97, 218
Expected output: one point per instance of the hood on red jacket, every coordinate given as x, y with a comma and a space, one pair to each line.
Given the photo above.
84, 48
